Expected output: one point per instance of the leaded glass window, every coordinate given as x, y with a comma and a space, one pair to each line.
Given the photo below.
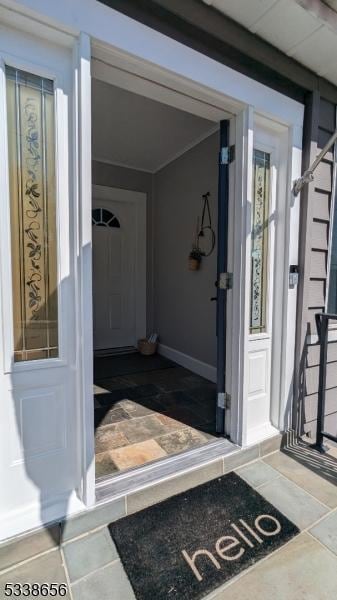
259, 241
31, 148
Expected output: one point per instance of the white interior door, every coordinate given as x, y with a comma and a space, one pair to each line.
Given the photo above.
118, 268
262, 269
40, 465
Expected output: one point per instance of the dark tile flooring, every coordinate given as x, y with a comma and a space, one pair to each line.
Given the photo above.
147, 408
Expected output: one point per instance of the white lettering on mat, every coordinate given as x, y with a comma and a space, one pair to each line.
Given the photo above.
226, 543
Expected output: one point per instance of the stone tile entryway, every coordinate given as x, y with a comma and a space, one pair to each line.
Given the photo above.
147, 408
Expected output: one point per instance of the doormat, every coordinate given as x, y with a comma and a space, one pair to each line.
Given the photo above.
106, 367
190, 544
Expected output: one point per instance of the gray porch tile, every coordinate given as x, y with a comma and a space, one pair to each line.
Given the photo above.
109, 583
43, 569
91, 519
237, 459
271, 445
293, 502
258, 473
314, 484
28, 546
89, 553
302, 569
161, 491
326, 532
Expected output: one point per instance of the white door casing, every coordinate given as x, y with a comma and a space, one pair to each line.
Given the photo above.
40, 461
119, 267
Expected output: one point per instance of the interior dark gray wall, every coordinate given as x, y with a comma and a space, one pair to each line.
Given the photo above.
184, 314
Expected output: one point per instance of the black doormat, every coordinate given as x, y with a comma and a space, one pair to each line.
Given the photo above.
106, 367
188, 545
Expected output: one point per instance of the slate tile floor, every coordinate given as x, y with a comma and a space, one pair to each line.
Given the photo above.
147, 408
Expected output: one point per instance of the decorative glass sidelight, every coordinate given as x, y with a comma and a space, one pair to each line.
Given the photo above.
259, 241
31, 150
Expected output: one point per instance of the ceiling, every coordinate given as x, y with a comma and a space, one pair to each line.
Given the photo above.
306, 30
137, 132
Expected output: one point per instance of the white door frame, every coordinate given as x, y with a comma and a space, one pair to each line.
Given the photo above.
105, 195
154, 58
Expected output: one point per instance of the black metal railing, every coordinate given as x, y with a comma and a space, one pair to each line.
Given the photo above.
322, 323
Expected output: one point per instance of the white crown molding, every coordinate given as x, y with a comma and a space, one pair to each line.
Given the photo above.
188, 147
114, 163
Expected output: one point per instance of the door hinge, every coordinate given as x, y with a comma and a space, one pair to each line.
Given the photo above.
227, 155
228, 401
225, 281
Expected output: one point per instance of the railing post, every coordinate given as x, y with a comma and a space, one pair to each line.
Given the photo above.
322, 321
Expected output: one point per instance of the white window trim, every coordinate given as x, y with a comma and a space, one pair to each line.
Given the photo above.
62, 216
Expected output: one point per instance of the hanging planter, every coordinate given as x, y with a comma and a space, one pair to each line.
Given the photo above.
204, 241
194, 259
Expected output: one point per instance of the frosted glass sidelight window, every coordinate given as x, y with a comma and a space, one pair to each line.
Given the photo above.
31, 148
259, 241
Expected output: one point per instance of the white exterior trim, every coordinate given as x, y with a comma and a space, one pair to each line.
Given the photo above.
82, 193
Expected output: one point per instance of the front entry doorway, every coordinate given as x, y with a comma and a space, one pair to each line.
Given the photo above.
160, 204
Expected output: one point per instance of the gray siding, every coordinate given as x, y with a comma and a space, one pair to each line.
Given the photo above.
316, 217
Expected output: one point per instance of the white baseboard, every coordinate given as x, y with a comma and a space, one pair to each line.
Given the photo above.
193, 364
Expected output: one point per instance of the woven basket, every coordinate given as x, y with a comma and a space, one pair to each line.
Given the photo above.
147, 348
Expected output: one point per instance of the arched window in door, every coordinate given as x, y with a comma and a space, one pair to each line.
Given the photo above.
104, 218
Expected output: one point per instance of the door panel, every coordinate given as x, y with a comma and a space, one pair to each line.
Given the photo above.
261, 294
40, 463
114, 270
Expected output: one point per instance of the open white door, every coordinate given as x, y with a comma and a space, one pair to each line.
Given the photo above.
265, 276
40, 464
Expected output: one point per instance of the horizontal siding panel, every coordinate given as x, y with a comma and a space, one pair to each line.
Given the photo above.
313, 354
311, 323
321, 206
323, 176
330, 423
323, 138
327, 115
316, 293
312, 377
311, 405
319, 235
318, 264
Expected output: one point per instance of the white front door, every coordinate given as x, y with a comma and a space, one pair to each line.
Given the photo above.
262, 268
118, 219
40, 464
